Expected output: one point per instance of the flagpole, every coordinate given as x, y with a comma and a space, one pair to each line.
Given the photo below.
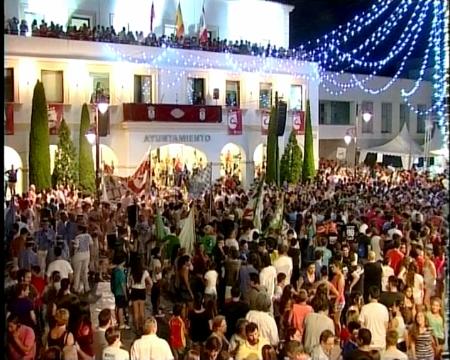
210, 193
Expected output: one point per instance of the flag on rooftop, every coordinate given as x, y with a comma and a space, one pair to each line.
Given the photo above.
203, 33
179, 25
152, 16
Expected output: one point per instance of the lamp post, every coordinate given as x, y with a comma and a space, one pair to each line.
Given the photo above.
353, 132
93, 137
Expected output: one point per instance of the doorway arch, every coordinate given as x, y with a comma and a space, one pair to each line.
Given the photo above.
232, 160
169, 161
108, 158
259, 158
12, 157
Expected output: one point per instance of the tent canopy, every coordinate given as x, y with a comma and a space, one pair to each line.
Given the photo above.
402, 144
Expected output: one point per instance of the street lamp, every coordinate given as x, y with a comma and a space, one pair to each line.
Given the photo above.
93, 137
353, 132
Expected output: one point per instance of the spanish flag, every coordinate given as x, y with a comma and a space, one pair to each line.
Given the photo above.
179, 25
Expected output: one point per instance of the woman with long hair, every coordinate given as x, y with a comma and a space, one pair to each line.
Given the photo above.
421, 342
286, 302
429, 277
182, 279
84, 338
397, 323
415, 281
139, 282
339, 283
435, 317
409, 306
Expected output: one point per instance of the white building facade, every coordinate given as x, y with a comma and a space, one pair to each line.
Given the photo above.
338, 113
71, 69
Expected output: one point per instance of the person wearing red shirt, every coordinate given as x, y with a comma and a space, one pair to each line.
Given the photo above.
420, 260
177, 332
21, 344
395, 257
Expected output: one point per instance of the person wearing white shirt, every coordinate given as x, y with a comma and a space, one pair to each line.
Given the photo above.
231, 241
268, 277
261, 317
150, 346
386, 272
113, 351
211, 277
61, 265
323, 350
283, 264
375, 317
391, 352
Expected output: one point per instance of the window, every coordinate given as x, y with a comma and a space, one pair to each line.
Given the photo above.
196, 88
386, 118
367, 127
9, 85
296, 98
232, 93
169, 29
265, 95
334, 113
79, 21
142, 89
404, 116
322, 113
421, 119
53, 85
100, 87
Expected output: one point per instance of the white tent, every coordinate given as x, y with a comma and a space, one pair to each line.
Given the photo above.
402, 145
436, 146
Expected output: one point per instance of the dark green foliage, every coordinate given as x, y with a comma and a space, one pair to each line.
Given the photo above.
65, 171
291, 161
39, 155
86, 171
272, 149
308, 170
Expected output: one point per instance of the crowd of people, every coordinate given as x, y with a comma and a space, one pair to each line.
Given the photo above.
356, 270
108, 34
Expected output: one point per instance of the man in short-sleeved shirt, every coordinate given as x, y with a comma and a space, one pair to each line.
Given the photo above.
21, 340
61, 265
375, 317
150, 346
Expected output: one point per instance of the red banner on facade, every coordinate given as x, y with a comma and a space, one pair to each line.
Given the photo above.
298, 122
265, 118
55, 115
173, 113
9, 119
234, 122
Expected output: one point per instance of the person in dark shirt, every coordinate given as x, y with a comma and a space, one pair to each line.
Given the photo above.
199, 320
234, 310
392, 295
372, 274
364, 351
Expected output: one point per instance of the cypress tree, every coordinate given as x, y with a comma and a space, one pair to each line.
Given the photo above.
308, 170
39, 155
86, 171
272, 149
291, 161
65, 171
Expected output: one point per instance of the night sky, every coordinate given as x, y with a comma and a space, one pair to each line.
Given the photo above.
313, 18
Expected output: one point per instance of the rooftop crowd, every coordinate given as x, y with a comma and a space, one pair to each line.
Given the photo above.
108, 34
356, 271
